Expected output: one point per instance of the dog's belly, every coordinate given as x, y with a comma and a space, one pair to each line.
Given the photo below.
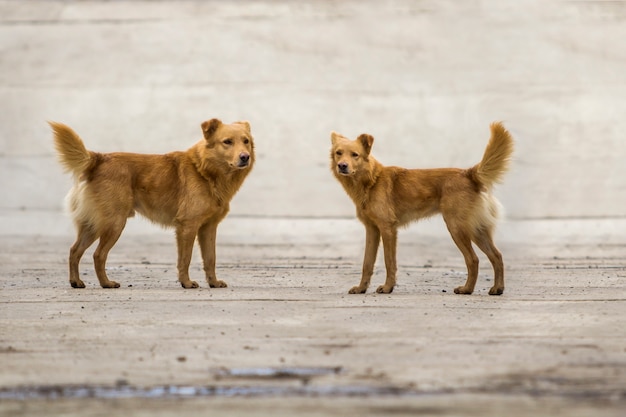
194, 210
159, 217
156, 206
416, 214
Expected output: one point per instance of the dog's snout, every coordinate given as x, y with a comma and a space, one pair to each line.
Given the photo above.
343, 166
244, 157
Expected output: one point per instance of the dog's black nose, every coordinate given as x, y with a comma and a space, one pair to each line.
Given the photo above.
244, 157
343, 166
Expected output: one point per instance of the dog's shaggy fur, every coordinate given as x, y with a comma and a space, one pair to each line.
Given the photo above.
189, 191
389, 197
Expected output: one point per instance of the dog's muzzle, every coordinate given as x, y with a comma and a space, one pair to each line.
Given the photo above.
342, 168
244, 160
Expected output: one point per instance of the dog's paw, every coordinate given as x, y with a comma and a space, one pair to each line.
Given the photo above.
496, 291
462, 290
357, 290
189, 284
77, 284
218, 284
110, 284
384, 289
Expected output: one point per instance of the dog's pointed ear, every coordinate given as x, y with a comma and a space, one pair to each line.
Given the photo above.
245, 124
366, 141
209, 127
334, 137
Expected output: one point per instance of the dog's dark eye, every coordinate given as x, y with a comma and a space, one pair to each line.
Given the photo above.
228, 142
355, 155
339, 153
246, 141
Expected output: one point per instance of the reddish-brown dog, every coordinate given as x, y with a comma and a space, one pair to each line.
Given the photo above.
389, 197
189, 190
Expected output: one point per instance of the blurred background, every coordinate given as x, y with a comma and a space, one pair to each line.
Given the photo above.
425, 78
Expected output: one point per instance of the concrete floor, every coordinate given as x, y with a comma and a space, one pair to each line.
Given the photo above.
552, 344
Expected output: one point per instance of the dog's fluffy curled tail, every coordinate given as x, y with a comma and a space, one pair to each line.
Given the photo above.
71, 150
496, 159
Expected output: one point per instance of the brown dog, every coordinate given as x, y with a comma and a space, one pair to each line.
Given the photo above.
188, 190
389, 197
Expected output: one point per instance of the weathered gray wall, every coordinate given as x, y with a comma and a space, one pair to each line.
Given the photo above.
424, 77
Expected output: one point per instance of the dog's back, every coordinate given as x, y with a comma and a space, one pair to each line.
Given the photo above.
453, 192
114, 185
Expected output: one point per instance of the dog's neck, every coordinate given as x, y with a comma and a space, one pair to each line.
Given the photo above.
358, 186
223, 180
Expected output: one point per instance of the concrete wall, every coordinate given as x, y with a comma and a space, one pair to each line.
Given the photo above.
425, 78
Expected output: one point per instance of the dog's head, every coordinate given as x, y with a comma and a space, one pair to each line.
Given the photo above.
349, 157
231, 144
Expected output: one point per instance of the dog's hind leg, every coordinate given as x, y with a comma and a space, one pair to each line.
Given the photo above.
484, 240
108, 238
372, 241
206, 238
464, 243
85, 237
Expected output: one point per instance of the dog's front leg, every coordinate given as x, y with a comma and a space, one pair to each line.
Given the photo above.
390, 239
185, 236
372, 241
206, 237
